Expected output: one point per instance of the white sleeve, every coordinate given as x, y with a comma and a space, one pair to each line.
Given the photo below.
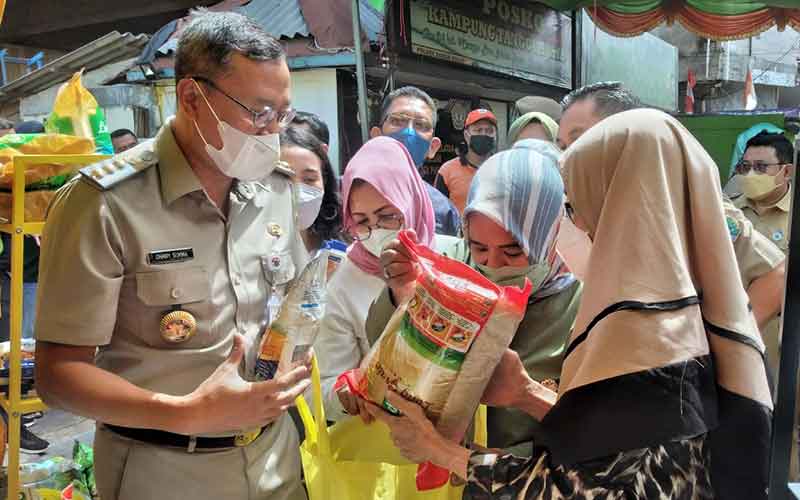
337, 347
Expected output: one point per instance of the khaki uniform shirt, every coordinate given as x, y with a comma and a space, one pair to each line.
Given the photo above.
104, 281
757, 253
772, 221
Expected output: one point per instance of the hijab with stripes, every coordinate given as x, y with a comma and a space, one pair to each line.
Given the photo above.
521, 189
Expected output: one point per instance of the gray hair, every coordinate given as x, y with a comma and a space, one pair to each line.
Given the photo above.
5, 124
609, 98
209, 40
411, 92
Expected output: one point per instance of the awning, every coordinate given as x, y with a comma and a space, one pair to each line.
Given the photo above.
107, 49
715, 19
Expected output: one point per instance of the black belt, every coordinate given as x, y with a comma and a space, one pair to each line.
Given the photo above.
189, 443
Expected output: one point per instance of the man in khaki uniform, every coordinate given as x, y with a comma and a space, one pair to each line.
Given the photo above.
156, 270
764, 176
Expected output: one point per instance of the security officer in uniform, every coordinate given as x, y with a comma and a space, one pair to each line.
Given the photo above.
156, 268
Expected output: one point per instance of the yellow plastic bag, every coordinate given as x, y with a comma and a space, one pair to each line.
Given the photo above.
12, 145
356, 461
76, 112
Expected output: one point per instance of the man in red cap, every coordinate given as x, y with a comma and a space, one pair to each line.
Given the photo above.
455, 176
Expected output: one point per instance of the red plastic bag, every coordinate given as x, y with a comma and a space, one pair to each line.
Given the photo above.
441, 346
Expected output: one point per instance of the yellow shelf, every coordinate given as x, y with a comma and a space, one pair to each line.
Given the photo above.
13, 404
34, 228
27, 405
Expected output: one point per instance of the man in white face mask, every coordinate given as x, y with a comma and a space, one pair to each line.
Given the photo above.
764, 175
176, 246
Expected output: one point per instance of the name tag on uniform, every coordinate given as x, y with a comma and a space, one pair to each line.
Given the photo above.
170, 256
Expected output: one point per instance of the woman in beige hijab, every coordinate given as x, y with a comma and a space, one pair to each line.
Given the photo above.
663, 392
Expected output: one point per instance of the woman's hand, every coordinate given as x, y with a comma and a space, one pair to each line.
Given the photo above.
511, 386
399, 269
417, 439
353, 404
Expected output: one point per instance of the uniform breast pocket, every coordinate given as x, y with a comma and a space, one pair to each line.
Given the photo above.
279, 268
184, 294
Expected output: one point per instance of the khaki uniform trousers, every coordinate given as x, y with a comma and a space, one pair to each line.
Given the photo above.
267, 469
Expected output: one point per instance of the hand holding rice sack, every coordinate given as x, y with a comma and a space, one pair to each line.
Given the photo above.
382, 194
441, 344
511, 221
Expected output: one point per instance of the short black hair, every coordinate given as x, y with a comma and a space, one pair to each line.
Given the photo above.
121, 132
210, 39
328, 224
5, 124
609, 98
317, 126
407, 91
784, 150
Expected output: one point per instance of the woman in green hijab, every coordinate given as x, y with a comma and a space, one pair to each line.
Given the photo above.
533, 125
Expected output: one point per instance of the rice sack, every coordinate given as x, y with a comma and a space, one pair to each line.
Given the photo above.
440, 348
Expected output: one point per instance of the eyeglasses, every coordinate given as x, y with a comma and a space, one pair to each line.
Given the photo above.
743, 167
363, 231
400, 120
261, 118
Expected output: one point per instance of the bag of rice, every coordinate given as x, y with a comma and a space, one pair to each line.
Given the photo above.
441, 347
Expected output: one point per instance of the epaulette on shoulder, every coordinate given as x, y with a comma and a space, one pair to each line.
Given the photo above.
283, 168
108, 173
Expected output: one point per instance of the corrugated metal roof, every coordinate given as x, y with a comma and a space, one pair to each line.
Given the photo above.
284, 18
371, 20
106, 49
280, 18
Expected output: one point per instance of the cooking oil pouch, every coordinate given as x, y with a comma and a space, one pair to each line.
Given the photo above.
288, 338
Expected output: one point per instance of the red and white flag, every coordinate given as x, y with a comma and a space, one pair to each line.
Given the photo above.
750, 99
688, 105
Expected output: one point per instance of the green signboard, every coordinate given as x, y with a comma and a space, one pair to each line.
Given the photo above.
517, 38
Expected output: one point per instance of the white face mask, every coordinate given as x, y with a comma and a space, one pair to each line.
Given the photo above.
309, 200
378, 239
243, 156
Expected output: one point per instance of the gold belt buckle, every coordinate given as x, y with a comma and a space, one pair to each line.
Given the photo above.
245, 438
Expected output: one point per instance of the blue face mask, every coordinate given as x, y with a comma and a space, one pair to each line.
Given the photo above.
416, 145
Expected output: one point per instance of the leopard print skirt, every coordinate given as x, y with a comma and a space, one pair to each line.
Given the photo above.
673, 471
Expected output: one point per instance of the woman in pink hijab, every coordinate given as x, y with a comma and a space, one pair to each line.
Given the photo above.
382, 194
